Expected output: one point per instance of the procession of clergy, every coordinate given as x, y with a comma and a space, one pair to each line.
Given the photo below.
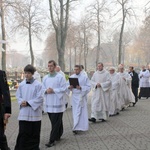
112, 92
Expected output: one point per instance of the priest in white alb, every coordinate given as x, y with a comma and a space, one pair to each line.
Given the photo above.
115, 103
126, 94
100, 104
79, 101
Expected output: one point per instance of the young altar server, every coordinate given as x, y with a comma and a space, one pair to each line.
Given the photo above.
29, 96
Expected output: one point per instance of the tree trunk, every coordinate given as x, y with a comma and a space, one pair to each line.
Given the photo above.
121, 35
61, 28
30, 46
70, 61
75, 55
3, 37
98, 38
60, 43
80, 54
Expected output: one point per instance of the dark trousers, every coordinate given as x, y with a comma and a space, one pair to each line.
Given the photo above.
3, 140
57, 126
28, 136
135, 92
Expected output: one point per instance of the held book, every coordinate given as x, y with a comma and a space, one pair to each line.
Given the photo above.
74, 82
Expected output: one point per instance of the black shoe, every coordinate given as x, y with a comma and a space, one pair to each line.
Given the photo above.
75, 132
134, 104
123, 109
103, 120
92, 120
58, 139
50, 144
117, 113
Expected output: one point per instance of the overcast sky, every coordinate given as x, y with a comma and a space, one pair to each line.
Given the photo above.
17, 43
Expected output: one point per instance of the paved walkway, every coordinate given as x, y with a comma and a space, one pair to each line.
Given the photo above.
128, 131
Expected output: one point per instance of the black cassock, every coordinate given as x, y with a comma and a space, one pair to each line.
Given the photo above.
144, 91
29, 135
135, 84
5, 107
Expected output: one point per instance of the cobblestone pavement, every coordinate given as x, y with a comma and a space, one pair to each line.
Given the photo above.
128, 131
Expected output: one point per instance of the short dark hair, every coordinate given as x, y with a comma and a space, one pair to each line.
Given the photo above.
82, 66
29, 68
131, 67
101, 64
54, 63
78, 66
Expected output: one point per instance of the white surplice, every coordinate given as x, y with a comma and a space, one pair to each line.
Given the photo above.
54, 102
144, 77
126, 95
100, 103
115, 103
66, 96
32, 93
79, 103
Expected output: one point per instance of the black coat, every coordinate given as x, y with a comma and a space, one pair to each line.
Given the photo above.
5, 100
135, 79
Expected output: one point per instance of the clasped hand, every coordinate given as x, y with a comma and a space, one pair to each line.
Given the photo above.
98, 85
24, 104
50, 91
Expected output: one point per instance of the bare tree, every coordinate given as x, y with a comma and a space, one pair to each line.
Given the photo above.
59, 18
86, 40
126, 11
29, 19
50, 50
98, 12
2, 15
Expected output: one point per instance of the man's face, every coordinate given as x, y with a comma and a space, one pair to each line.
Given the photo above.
51, 67
77, 70
121, 69
130, 69
111, 71
28, 75
57, 69
100, 67
143, 67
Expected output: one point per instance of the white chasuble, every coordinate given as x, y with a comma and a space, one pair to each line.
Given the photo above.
100, 103
115, 102
126, 94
